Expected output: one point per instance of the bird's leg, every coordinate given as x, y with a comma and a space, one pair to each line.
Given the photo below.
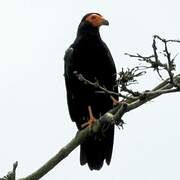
115, 102
91, 119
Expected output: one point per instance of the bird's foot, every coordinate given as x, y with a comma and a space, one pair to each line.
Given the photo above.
89, 123
115, 102
91, 119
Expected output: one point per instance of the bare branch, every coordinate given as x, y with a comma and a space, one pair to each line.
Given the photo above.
97, 85
12, 174
80, 137
113, 116
131, 100
164, 40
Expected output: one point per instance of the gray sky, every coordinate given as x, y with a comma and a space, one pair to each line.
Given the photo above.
34, 119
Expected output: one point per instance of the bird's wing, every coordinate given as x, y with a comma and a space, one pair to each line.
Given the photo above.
113, 67
68, 58
68, 73
110, 57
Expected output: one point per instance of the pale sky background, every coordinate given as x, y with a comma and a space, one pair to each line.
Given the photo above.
34, 120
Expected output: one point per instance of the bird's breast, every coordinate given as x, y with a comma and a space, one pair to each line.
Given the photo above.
90, 56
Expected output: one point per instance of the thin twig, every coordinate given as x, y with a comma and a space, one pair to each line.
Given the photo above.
97, 85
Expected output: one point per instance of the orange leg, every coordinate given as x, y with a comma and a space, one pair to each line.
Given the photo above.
115, 102
91, 119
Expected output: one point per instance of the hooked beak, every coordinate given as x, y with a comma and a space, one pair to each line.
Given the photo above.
105, 22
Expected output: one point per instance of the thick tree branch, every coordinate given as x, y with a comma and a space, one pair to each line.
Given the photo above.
131, 100
112, 116
80, 137
12, 174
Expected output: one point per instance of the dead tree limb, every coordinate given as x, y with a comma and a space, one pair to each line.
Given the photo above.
131, 100
114, 116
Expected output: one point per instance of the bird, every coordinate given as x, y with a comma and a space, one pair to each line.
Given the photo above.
89, 56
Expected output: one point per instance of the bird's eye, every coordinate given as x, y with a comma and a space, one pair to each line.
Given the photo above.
93, 17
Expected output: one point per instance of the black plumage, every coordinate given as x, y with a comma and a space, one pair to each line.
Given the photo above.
89, 56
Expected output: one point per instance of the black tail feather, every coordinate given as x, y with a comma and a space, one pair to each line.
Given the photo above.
97, 149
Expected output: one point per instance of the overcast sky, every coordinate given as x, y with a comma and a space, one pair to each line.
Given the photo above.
34, 119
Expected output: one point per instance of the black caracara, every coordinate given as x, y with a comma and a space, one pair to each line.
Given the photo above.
89, 56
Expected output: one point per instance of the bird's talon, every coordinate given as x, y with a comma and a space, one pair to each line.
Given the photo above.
89, 123
91, 119
115, 102
84, 125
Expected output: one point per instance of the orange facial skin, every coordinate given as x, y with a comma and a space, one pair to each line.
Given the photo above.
97, 20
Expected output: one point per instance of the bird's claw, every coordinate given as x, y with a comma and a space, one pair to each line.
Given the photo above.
89, 123
91, 119
115, 102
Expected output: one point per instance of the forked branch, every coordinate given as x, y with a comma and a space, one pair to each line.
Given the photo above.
130, 100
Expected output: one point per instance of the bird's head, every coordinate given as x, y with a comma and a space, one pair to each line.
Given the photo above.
91, 23
95, 19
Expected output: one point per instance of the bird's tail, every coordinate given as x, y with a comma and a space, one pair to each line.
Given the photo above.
96, 149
